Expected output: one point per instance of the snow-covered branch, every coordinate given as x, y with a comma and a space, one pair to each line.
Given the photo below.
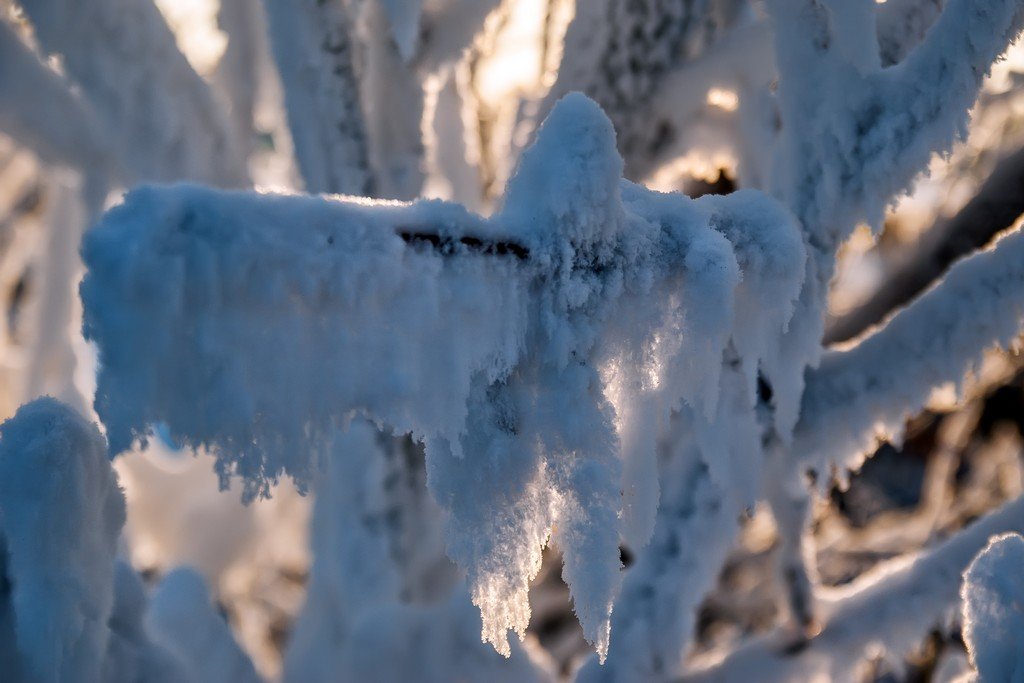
890, 609
182, 617
518, 370
857, 135
162, 116
238, 71
992, 592
902, 25
656, 615
874, 386
620, 52
313, 49
60, 515
38, 108
993, 209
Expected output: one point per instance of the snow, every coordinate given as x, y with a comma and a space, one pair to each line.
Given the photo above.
132, 655
38, 109
993, 610
869, 389
113, 50
886, 612
593, 364
855, 136
183, 619
404, 16
60, 515
656, 615
315, 59
519, 370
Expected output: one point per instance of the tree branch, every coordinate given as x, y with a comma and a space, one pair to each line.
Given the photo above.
162, 116
890, 374
997, 204
39, 110
312, 45
891, 607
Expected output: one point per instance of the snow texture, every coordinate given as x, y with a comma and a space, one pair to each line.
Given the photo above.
132, 653
885, 612
40, 111
624, 53
376, 609
993, 610
655, 617
404, 16
870, 389
855, 135
534, 353
60, 515
314, 53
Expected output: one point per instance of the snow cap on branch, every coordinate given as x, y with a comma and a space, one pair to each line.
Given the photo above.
993, 610
537, 354
60, 515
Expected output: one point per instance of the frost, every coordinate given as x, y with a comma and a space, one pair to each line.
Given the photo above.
132, 655
60, 515
539, 350
182, 618
993, 610
115, 50
936, 339
657, 611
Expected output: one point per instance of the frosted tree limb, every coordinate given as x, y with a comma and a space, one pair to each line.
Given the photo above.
312, 46
656, 616
447, 28
859, 135
183, 618
741, 60
238, 71
51, 368
874, 386
889, 609
621, 53
994, 208
38, 108
60, 515
526, 336
853, 136
393, 99
992, 592
162, 116
902, 25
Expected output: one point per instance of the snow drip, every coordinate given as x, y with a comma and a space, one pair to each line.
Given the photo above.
537, 354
